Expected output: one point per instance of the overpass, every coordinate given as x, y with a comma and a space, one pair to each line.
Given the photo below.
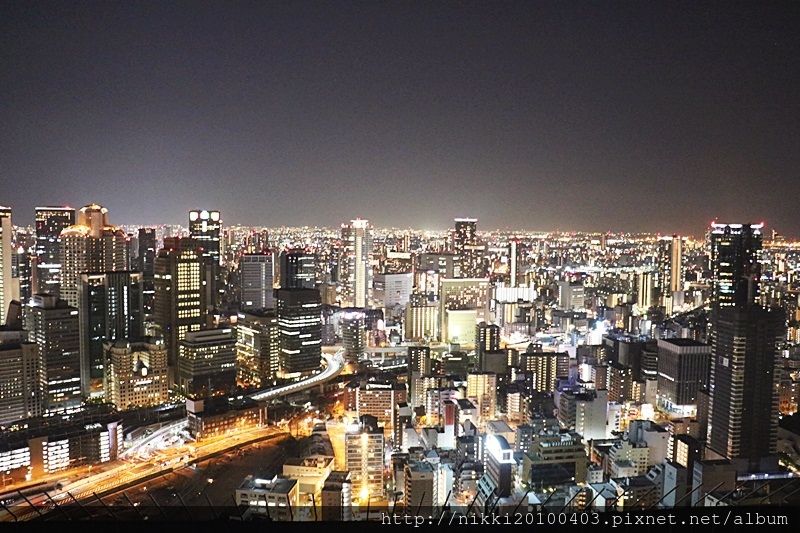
334, 366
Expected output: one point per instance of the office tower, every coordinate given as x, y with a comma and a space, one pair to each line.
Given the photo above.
298, 270
571, 295
109, 309
463, 295
497, 480
354, 334
90, 245
445, 264
393, 290
735, 264
682, 372
468, 248
482, 391
419, 488
363, 444
207, 363
21, 274
54, 327
300, 321
743, 403
206, 227
50, 221
179, 304
148, 245
257, 349
21, 382
644, 292
256, 281
136, 373
545, 368
6, 252
670, 262
355, 272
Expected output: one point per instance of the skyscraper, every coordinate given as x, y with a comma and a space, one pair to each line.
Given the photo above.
50, 221
147, 254
109, 309
300, 325
355, 270
54, 327
21, 382
180, 301
468, 248
735, 264
6, 251
743, 400
90, 245
205, 227
256, 272
298, 270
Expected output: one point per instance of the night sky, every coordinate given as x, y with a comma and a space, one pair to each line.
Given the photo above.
596, 116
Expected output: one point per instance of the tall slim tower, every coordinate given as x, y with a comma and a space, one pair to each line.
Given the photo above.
147, 254
180, 301
90, 245
670, 269
256, 281
735, 264
300, 327
469, 250
355, 270
50, 222
6, 251
743, 399
205, 227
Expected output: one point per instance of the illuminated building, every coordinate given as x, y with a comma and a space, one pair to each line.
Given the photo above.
745, 368
90, 245
21, 272
355, 271
256, 281
644, 293
670, 261
735, 264
468, 248
136, 373
109, 309
463, 295
571, 295
482, 391
682, 372
393, 289
205, 227
364, 443
50, 221
354, 334
222, 415
337, 497
54, 327
546, 449
444, 264
277, 498
436, 398
380, 399
6, 251
497, 480
300, 325
421, 320
257, 349
180, 301
207, 363
21, 382
146, 258
545, 368
298, 270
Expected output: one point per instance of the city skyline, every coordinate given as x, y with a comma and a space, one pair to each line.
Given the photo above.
611, 116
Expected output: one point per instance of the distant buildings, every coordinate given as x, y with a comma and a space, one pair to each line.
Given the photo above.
50, 221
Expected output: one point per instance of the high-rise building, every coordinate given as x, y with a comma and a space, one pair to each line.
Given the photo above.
148, 247
670, 263
482, 391
258, 349
363, 444
545, 368
109, 309
21, 382
6, 252
207, 363
256, 281
735, 264
54, 327
179, 304
644, 293
355, 272
354, 333
419, 489
743, 404
468, 294
393, 290
50, 222
468, 248
300, 324
21, 274
298, 269
682, 372
90, 245
136, 373
206, 228
571, 295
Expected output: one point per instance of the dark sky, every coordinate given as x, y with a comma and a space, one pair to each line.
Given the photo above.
618, 116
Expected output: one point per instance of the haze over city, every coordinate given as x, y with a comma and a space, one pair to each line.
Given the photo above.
596, 116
